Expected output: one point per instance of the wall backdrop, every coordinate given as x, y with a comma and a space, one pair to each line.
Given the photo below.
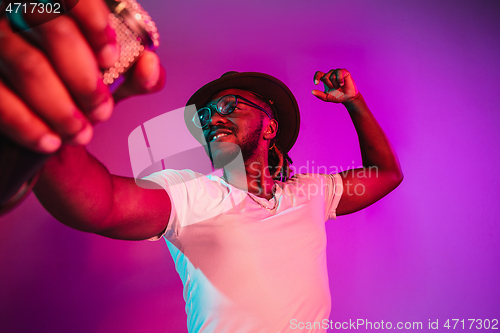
429, 70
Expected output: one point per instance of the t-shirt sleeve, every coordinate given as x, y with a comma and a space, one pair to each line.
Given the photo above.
333, 193
181, 188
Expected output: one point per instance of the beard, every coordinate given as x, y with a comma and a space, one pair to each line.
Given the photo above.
223, 153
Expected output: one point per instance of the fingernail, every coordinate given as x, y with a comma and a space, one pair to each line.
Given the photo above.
108, 55
110, 34
84, 136
49, 143
103, 111
154, 76
316, 81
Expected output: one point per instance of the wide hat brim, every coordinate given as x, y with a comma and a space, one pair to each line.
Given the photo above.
268, 87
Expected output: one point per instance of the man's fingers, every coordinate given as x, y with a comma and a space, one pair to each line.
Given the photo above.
320, 94
29, 74
334, 79
342, 74
317, 76
92, 16
348, 85
19, 124
339, 86
74, 62
327, 80
146, 76
52, 85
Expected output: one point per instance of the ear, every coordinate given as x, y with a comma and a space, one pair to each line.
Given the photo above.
271, 129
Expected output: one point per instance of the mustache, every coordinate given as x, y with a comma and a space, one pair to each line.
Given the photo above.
215, 128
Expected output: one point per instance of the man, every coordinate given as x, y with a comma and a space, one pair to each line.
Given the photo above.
249, 246
260, 265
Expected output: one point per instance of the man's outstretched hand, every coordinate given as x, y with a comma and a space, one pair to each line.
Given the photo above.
51, 88
338, 84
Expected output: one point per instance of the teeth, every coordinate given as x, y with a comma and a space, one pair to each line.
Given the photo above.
218, 136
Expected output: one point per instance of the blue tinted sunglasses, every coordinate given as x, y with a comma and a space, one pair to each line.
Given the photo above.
224, 106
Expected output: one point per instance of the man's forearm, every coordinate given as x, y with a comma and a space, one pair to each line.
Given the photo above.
76, 189
362, 186
376, 150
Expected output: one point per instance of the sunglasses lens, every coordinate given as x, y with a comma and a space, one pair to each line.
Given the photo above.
227, 104
202, 117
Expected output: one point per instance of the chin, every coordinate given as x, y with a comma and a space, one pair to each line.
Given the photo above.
222, 153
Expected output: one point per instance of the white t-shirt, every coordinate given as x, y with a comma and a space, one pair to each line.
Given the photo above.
246, 268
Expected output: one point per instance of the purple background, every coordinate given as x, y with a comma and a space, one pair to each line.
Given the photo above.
428, 70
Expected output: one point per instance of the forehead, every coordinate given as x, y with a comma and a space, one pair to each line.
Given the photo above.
244, 93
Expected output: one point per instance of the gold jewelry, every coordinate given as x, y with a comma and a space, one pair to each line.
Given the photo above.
135, 32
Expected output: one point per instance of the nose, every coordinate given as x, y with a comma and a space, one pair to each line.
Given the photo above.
217, 119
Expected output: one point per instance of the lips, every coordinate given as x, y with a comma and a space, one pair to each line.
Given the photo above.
220, 133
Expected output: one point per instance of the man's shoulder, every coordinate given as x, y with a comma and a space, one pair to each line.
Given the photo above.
310, 177
185, 174
171, 177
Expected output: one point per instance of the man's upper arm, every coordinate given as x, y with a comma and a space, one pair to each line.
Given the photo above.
138, 213
364, 186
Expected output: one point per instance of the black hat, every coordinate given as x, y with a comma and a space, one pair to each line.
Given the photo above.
264, 85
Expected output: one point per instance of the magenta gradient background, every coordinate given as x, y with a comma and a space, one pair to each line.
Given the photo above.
430, 72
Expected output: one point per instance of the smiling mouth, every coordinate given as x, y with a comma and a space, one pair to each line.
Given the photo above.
218, 136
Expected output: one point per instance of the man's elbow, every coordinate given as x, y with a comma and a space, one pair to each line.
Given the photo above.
396, 178
391, 179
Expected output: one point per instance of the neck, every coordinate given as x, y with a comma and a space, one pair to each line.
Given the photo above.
254, 177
